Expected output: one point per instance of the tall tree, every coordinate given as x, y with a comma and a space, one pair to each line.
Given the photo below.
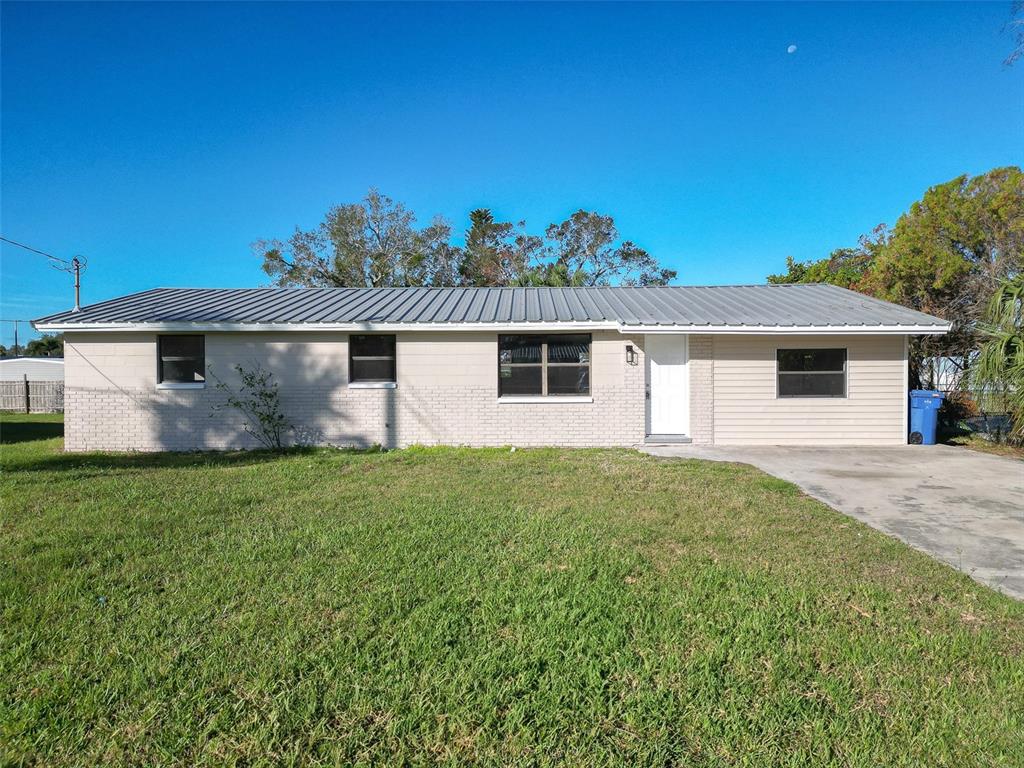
497, 252
1015, 26
440, 267
586, 251
845, 267
373, 243
47, 345
949, 252
945, 256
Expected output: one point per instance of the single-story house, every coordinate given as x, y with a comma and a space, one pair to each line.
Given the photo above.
35, 368
724, 365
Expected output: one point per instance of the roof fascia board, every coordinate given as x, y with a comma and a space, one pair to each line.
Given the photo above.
495, 327
348, 327
802, 330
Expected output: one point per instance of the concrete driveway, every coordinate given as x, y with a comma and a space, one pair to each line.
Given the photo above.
962, 507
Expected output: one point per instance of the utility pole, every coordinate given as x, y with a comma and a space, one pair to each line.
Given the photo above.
16, 337
76, 265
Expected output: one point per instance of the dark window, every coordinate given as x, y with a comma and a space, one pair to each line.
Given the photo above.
544, 365
371, 358
181, 359
812, 372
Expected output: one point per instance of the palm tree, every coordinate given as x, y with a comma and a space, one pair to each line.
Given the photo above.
999, 369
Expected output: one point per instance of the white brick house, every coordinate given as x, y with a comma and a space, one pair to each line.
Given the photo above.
797, 365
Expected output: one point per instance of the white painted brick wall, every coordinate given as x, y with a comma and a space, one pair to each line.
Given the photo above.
107, 414
702, 390
139, 420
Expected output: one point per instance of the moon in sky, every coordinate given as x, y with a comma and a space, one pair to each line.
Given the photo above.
791, 49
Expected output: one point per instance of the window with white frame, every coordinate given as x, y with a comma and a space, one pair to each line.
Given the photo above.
181, 359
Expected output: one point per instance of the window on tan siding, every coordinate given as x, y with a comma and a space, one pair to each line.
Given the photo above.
553, 364
181, 359
811, 372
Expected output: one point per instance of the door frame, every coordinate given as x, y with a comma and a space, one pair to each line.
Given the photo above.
684, 339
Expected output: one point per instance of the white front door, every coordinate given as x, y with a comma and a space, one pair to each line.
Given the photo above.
669, 410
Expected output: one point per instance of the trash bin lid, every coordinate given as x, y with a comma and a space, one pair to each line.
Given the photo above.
927, 393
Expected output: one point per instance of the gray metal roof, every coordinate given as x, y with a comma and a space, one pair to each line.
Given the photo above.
740, 306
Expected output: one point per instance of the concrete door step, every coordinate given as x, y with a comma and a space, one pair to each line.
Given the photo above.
667, 440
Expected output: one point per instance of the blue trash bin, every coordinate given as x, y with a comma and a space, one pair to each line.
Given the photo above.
924, 415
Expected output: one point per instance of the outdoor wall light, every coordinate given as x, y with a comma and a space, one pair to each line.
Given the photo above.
630, 354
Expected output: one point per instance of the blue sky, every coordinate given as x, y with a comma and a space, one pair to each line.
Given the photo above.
161, 140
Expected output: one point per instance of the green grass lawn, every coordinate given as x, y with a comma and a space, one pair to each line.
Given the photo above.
445, 606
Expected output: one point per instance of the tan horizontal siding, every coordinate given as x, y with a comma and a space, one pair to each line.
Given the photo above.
820, 441
748, 412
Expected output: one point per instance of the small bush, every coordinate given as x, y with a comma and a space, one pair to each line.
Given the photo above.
259, 402
958, 407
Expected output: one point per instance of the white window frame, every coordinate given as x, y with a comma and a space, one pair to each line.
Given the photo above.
372, 383
160, 383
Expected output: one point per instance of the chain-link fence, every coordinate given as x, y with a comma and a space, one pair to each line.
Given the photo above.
975, 411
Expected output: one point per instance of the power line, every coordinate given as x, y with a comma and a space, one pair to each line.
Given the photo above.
62, 264
74, 267
34, 250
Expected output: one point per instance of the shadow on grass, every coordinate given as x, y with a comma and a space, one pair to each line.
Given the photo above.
114, 461
27, 431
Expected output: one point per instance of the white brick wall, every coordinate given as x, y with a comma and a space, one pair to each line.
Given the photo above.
702, 390
446, 394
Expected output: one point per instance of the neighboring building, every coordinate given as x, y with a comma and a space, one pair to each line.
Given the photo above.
944, 373
36, 368
767, 364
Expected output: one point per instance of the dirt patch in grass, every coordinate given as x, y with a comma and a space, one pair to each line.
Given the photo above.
976, 443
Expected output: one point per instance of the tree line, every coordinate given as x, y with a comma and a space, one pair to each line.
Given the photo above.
376, 243
47, 345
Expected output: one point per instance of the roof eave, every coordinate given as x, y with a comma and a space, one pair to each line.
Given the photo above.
795, 330
514, 327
